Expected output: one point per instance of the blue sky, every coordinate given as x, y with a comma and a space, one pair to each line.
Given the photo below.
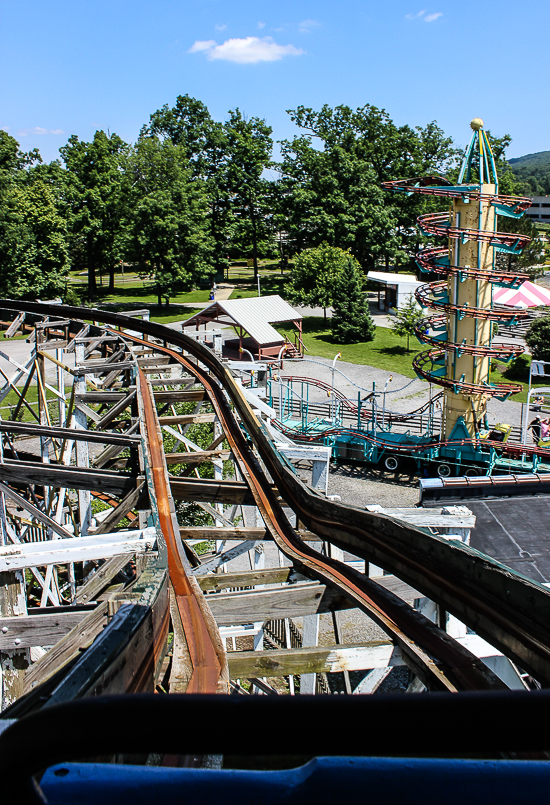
74, 67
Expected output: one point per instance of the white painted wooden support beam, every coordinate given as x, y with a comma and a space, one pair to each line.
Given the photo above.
308, 682
247, 366
297, 453
429, 518
181, 438
255, 402
76, 549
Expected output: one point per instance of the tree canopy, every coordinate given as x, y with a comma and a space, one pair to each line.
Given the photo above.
316, 272
538, 339
193, 191
166, 225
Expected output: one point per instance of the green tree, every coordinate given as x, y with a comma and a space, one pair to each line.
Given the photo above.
95, 196
315, 275
351, 320
33, 237
332, 175
406, 319
189, 124
167, 227
250, 148
538, 339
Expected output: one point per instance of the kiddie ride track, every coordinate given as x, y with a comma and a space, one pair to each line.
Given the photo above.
74, 709
363, 431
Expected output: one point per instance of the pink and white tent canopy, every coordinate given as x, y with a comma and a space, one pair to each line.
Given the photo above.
527, 295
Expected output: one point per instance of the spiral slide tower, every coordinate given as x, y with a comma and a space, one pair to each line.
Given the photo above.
460, 330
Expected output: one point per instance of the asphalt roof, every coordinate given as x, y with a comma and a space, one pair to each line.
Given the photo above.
516, 532
255, 315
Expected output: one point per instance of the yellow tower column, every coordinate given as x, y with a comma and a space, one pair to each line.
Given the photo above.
468, 292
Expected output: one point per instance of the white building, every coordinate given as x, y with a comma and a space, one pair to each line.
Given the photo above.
394, 290
539, 209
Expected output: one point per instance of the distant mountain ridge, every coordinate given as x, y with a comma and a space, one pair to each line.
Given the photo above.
539, 159
534, 170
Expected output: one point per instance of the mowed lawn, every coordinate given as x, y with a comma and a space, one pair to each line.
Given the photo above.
387, 350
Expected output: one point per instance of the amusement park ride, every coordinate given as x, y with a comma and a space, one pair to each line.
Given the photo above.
460, 339
118, 682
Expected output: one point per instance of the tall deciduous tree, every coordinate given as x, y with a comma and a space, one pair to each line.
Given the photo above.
351, 320
167, 225
250, 148
332, 175
95, 193
33, 237
189, 124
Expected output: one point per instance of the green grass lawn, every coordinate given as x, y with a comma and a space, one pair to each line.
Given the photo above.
387, 350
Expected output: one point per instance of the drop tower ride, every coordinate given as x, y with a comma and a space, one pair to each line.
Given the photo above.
460, 330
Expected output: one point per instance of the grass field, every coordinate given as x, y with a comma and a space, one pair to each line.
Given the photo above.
387, 350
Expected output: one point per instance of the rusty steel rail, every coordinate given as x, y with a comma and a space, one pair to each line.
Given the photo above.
444, 189
507, 609
208, 663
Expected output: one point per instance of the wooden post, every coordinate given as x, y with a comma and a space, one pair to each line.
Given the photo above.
13, 664
82, 448
310, 637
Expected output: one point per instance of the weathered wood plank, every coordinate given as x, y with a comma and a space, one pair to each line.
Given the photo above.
210, 491
210, 532
101, 579
294, 601
102, 397
317, 659
196, 456
37, 630
27, 472
186, 419
249, 578
182, 665
80, 636
68, 433
195, 395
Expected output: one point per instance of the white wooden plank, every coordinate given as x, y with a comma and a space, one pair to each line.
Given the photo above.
79, 549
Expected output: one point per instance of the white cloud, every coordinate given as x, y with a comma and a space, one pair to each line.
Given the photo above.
38, 130
415, 16
433, 17
306, 26
261, 25
220, 27
202, 45
249, 50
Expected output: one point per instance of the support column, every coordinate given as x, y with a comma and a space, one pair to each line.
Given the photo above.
82, 448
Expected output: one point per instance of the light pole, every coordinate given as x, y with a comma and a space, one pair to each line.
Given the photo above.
339, 355
389, 380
